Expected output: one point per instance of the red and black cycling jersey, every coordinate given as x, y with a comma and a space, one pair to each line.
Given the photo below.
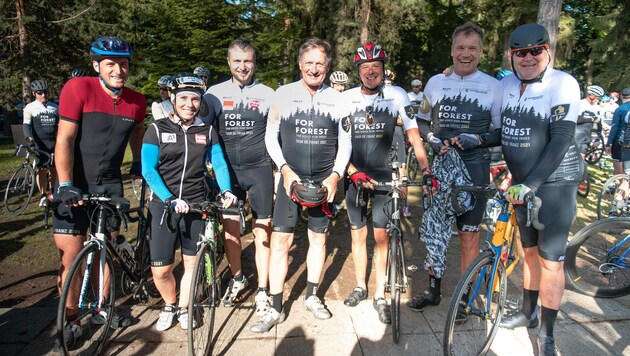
239, 115
105, 125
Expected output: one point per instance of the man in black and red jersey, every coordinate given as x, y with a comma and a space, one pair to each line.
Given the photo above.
98, 116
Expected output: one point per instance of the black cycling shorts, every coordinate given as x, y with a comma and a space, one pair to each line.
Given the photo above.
163, 243
286, 213
557, 214
257, 183
471, 220
80, 221
616, 148
357, 214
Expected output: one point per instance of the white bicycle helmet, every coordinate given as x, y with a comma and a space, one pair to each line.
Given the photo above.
416, 83
338, 77
164, 81
201, 72
595, 90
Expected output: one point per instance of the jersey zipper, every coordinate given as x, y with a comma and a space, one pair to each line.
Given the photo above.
240, 111
181, 182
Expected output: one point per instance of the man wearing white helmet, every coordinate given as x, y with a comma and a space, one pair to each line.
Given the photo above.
203, 73
161, 108
415, 96
588, 113
338, 80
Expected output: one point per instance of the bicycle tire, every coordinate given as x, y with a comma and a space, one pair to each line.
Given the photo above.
204, 298
595, 150
474, 336
145, 264
97, 333
607, 194
19, 190
592, 263
395, 278
412, 165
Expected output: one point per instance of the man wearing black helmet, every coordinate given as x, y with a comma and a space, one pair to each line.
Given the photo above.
98, 116
375, 109
41, 118
539, 114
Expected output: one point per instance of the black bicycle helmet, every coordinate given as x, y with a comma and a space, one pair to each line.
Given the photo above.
77, 72
309, 193
529, 35
186, 81
38, 85
107, 46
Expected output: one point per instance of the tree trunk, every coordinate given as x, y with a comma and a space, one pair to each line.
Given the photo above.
25, 56
549, 17
365, 32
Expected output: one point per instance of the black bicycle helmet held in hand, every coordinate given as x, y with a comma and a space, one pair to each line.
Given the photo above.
309, 193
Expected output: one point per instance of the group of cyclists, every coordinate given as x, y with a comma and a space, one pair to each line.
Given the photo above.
317, 135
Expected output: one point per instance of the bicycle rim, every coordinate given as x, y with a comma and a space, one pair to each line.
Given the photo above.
204, 297
19, 190
597, 260
474, 336
607, 195
93, 335
394, 284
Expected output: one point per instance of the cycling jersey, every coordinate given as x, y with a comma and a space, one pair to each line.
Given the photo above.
160, 109
619, 125
308, 130
40, 123
416, 102
371, 144
538, 128
239, 114
588, 113
105, 125
469, 104
173, 159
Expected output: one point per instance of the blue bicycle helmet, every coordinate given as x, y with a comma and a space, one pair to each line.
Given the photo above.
503, 73
107, 46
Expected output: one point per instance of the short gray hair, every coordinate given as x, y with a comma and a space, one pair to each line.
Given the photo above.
315, 42
468, 29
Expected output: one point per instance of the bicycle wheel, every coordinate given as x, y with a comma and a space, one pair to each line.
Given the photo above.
598, 259
204, 297
584, 187
395, 283
482, 310
616, 187
93, 333
596, 148
19, 190
412, 165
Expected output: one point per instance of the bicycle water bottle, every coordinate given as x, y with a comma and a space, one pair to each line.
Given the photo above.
124, 248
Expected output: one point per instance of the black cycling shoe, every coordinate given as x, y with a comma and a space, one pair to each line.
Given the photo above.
547, 346
355, 297
381, 307
419, 302
461, 316
518, 320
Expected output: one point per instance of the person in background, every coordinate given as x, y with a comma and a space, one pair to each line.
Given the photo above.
338, 81
162, 108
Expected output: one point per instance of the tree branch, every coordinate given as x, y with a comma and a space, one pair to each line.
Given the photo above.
74, 16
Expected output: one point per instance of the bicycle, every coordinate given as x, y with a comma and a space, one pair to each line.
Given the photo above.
396, 280
21, 185
92, 273
613, 198
477, 304
595, 148
597, 261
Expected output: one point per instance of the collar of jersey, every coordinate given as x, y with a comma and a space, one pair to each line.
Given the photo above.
235, 83
469, 76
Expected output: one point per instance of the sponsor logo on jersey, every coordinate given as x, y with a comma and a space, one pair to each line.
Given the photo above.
559, 112
410, 111
200, 139
346, 124
169, 137
254, 104
228, 104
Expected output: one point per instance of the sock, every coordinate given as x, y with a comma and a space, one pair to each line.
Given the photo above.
548, 319
311, 289
434, 286
239, 278
530, 299
276, 302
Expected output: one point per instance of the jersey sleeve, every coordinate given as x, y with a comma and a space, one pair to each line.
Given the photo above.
497, 102
344, 140
272, 134
156, 111
214, 108
406, 111
70, 102
425, 108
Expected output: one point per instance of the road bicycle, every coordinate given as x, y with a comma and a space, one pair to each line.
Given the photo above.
595, 148
597, 261
205, 288
477, 304
22, 183
613, 199
90, 285
396, 280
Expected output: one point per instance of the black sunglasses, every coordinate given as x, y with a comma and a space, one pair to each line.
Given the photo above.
534, 51
369, 115
41, 92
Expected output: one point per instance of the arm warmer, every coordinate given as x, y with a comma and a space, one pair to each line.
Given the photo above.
215, 155
562, 137
150, 159
272, 143
424, 126
26, 128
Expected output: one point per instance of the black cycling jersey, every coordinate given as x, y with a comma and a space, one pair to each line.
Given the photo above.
40, 123
239, 115
469, 104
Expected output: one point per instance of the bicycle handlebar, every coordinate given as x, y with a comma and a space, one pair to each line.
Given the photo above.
359, 201
205, 207
36, 151
119, 205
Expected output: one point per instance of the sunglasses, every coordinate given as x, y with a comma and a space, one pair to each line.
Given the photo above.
369, 115
40, 92
534, 51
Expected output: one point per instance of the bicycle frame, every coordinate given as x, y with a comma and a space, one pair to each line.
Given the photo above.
618, 260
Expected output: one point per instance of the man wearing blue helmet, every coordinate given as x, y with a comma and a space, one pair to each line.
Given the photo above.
98, 116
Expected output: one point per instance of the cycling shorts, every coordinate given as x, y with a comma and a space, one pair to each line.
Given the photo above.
80, 221
163, 243
357, 214
616, 148
399, 138
557, 214
286, 213
257, 183
471, 220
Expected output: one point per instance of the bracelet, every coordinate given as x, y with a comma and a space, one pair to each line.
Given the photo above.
65, 184
282, 166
